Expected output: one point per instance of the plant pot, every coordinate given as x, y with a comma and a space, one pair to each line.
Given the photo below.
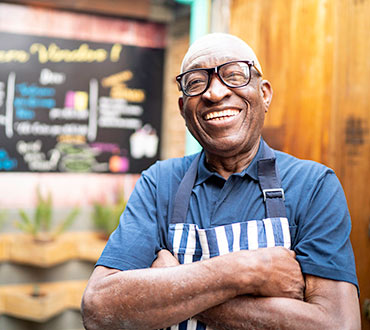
18, 300
20, 303
44, 253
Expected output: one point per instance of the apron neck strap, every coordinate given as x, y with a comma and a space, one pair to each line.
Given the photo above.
270, 184
183, 194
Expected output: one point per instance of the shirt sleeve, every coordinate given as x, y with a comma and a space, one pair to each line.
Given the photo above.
323, 244
135, 242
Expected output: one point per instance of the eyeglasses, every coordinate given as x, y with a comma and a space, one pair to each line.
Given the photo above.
233, 74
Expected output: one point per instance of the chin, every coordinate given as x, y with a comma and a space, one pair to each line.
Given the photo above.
224, 151
227, 148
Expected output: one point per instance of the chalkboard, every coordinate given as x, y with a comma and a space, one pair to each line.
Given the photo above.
78, 106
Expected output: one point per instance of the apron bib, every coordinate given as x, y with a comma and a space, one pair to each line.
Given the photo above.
189, 243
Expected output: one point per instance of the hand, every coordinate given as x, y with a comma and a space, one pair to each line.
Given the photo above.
165, 259
281, 274
268, 272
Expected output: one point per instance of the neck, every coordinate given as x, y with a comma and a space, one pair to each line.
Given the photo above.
226, 166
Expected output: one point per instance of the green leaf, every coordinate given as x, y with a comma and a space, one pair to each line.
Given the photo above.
106, 216
42, 215
26, 223
65, 224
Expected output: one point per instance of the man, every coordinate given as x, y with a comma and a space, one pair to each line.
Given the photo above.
205, 241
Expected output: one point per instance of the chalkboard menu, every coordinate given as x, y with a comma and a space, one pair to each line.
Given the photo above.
78, 106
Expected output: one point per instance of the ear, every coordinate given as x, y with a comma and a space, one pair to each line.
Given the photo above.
181, 106
266, 93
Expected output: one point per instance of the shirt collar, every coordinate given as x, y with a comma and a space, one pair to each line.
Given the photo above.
204, 173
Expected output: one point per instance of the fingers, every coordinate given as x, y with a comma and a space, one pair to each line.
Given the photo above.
164, 259
292, 253
283, 274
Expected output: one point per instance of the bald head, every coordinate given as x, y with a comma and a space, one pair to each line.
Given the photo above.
223, 44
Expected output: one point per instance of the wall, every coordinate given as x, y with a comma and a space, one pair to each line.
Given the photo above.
173, 124
69, 190
315, 53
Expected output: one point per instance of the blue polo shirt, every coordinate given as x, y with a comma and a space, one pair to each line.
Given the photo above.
315, 204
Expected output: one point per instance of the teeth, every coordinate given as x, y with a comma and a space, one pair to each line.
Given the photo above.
218, 114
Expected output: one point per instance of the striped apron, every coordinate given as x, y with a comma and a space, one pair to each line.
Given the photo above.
189, 243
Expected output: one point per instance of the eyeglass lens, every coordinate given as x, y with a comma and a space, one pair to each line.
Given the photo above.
234, 74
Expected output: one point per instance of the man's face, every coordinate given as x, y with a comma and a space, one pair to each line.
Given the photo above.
225, 121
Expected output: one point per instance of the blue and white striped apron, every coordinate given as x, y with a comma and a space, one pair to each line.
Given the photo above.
189, 243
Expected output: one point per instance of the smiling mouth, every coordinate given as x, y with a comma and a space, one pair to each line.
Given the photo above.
220, 115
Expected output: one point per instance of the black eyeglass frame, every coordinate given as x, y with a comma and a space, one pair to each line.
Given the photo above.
216, 69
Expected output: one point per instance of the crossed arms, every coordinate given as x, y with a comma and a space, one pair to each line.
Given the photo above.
260, 289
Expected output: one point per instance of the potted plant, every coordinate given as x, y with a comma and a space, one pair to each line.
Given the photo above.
42, 243
40, 225
106, 215
39, 302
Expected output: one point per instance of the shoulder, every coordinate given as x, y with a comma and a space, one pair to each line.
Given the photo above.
292, 168
307, 183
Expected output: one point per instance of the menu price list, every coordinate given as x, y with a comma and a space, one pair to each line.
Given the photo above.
75, 106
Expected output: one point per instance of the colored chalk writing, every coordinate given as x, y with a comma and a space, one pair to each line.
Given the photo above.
78, 106
7, 163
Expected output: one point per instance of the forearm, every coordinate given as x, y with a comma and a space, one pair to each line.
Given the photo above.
328, 305
247, 312
154, 298
160, 297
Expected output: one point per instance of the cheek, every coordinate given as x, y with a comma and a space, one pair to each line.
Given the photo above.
249, 94
255, 108
190, 110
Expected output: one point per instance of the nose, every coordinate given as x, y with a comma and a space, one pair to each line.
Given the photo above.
216, 90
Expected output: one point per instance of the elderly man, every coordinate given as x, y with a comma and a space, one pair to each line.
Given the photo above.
238, 236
